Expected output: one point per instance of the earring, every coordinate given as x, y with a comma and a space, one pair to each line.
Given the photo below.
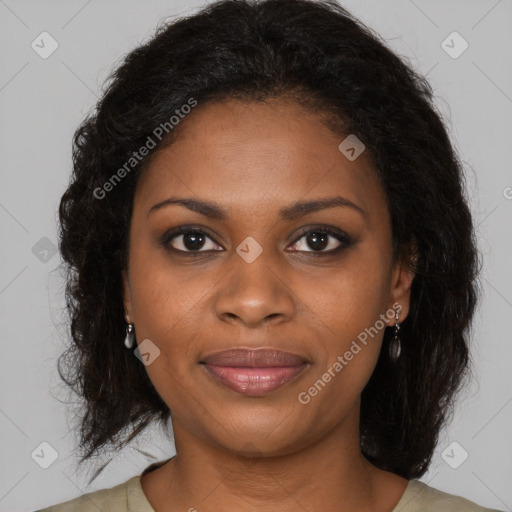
394, 345
130, 336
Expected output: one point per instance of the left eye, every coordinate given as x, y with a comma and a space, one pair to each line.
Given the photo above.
319, 240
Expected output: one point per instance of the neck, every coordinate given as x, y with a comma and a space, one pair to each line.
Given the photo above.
329, 474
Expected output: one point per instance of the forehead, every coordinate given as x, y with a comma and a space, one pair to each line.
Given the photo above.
252, 157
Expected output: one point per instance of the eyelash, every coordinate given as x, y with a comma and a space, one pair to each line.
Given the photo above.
345, 240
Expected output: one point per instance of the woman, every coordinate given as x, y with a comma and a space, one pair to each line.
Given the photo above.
268, 244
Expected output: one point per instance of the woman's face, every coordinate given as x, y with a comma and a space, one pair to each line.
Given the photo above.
262, 275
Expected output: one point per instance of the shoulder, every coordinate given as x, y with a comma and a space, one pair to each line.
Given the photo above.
114, 499
420, 497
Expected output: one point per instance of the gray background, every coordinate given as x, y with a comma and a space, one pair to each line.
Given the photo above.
42, 102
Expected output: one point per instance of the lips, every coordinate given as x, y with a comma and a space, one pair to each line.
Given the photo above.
254, 372
254, 358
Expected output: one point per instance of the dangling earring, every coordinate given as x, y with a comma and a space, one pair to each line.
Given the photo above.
394, 345
130, 336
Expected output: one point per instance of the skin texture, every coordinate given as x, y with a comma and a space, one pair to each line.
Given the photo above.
236, 452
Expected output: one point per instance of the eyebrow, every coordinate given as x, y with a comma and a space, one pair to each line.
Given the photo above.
289, 213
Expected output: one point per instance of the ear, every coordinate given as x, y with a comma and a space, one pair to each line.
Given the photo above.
127, 297
401, 282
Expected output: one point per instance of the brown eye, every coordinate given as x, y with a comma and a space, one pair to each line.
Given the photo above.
320, 241
189, 240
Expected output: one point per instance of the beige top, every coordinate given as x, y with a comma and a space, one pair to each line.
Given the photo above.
129, 497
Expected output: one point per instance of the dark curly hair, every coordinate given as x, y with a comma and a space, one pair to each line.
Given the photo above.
320, 55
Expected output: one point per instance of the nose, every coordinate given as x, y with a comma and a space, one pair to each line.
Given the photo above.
255, 293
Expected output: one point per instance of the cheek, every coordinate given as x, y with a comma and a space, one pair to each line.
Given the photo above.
164, 294
348, 311
167, 309
354, 295
346, 356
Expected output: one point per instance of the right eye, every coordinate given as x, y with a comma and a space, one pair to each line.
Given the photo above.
188, 241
